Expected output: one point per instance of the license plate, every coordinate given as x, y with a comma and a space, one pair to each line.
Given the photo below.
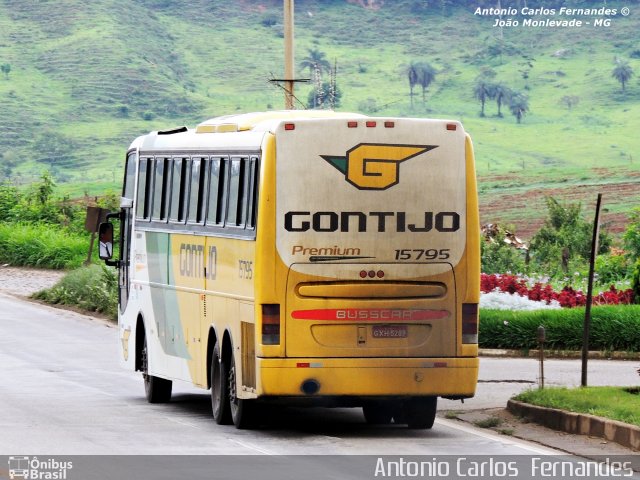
389, 331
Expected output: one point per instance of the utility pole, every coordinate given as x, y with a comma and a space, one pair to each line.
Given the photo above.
587, 312
289, 55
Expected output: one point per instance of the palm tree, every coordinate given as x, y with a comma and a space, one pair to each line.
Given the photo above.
622, 72
412, 75
482, 90
519, 105
316, 63
6, 69
426, 76
501, 93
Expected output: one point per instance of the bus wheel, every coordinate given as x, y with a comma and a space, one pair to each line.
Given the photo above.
377, 413
243, 412
157, 390
421, 411
399, 413
219, 392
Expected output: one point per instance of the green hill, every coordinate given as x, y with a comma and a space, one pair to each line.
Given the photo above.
87, 77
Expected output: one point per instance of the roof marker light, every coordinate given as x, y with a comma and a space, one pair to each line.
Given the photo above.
452, 126
289, 126
352, 124
389, 124
371, 123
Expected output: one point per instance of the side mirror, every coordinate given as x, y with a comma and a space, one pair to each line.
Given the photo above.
105, 233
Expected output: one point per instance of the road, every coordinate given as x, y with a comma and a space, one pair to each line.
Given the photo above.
63, 393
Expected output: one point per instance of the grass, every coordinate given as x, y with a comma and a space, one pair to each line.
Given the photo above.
490, 422
44, 246
92, 288
616, 403
74, 66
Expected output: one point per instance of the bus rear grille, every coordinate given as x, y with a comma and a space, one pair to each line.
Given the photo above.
372, 290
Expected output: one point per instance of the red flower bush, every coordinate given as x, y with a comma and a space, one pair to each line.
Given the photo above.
567, 297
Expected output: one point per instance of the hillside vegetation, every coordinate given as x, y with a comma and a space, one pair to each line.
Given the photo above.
87, 77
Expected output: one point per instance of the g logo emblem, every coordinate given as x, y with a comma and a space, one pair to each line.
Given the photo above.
372, 166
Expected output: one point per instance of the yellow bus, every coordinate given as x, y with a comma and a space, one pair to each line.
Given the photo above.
302, 257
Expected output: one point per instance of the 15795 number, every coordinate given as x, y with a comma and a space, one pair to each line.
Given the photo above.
420, 254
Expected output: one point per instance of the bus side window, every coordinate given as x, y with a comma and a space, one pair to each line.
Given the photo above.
197, 191
253, 192
145, 174
237, 192
217, 189
179, 185
129, 178
163, 173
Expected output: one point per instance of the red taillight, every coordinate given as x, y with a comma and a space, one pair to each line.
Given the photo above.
289, 126
469, 323
271, 324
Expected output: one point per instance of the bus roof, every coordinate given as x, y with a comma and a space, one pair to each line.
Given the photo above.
242, 131
265, 120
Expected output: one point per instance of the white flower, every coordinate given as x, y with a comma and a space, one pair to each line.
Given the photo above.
506, 301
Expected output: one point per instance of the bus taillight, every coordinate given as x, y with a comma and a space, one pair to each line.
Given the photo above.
271, 324
469, 323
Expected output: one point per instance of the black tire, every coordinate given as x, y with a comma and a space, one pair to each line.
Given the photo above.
421, 412
243, 412
399, 413
156, 389
377, 413
219, 389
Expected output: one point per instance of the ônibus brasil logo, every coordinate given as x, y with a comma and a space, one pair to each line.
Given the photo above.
375, 166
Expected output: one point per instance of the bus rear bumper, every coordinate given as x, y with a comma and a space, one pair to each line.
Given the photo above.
308, 377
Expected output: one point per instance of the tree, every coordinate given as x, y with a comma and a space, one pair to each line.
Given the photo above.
426, 76
570, 101
316, 63
631, 237
327, 96
420, 73
483, 90
412, 76
565, 236
622, 72
519, 105
502, 94
6, 69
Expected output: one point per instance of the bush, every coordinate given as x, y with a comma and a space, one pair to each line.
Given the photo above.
499, 257
612, 328
93, 288
44, 246
611, 268
635, 281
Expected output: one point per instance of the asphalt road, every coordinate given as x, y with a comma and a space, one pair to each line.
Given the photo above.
63, 393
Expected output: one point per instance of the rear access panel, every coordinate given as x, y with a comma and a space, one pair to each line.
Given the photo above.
345, 315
